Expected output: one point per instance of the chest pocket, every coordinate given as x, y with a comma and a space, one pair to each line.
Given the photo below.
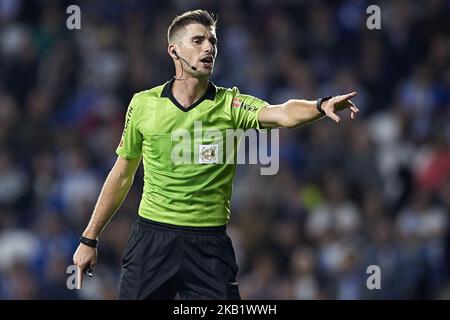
160, 152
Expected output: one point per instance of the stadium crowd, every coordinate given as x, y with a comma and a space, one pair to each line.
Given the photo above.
373, 191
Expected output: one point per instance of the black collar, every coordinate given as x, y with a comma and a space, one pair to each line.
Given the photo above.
210, 94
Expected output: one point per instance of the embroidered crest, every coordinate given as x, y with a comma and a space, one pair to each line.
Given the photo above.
208, 153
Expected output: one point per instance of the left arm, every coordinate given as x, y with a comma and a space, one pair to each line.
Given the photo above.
295, 112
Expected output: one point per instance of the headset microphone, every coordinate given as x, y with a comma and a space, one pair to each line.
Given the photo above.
176, 54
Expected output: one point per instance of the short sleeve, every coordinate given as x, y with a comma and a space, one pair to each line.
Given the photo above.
245, 110
130, 145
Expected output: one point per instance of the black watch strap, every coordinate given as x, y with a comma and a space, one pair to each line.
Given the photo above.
89, 242
320, 101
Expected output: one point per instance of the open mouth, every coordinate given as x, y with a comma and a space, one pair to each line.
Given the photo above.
207, 61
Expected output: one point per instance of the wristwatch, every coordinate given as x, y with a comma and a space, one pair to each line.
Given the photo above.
89, 242
320, 101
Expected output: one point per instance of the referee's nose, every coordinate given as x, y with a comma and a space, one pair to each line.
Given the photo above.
210, 48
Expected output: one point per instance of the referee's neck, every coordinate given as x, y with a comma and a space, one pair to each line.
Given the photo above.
189, 90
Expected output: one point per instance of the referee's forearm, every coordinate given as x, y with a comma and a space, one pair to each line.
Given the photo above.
110, 199
300, 112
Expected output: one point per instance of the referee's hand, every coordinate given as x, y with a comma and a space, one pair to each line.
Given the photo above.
85, 258
338, 103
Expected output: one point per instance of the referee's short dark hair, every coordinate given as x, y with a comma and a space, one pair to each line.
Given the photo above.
195, 16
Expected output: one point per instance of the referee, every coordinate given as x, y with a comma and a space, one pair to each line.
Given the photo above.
179, 243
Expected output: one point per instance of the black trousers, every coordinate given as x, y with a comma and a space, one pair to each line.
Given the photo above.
162, 260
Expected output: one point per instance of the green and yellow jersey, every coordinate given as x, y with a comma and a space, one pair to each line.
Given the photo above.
187, 178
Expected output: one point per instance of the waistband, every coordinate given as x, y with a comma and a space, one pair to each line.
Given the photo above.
200, 230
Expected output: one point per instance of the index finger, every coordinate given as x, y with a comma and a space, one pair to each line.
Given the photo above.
345, 96
79, 278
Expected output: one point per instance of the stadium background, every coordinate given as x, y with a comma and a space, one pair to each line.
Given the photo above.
371, 191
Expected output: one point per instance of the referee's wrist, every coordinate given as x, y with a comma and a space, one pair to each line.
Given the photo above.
319, 103
89, 242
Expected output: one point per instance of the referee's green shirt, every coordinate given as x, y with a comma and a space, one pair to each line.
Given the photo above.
195, 192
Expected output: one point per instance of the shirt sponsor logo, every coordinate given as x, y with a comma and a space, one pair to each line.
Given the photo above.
237, 102
208, 153
249, 108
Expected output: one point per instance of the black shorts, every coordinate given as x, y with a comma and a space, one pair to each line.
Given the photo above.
162, 260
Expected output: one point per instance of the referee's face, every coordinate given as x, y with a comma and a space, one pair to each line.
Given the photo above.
198, 46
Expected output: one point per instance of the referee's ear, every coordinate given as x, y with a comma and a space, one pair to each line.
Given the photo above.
171, 49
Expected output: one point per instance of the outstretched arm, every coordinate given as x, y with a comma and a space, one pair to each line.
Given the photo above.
295, 112
113, 193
